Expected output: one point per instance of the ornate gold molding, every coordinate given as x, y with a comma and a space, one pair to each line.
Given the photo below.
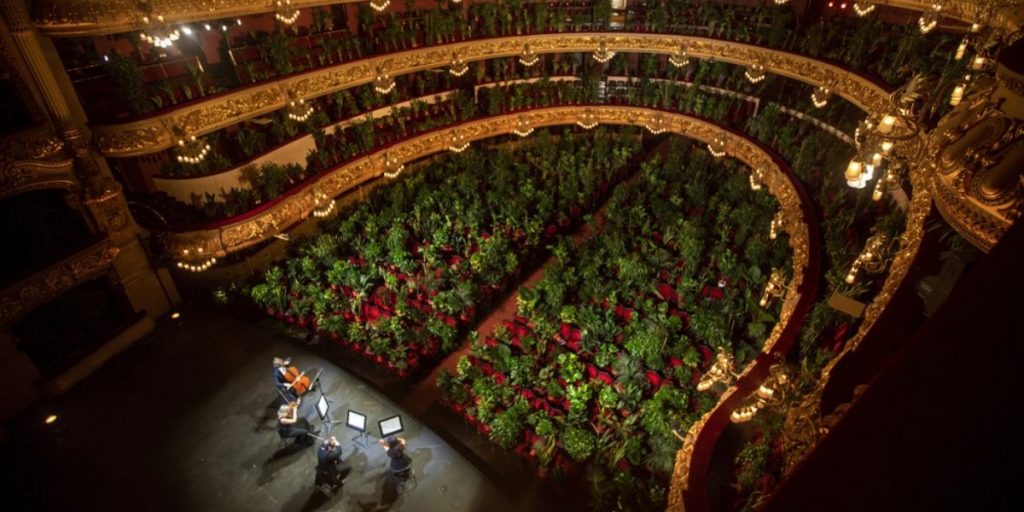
154, 133
97, 17
1006, 18
33, 291
34, 160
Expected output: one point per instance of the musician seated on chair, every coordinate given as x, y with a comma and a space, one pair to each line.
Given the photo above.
401, 464
330, 469
291, 425
282, 384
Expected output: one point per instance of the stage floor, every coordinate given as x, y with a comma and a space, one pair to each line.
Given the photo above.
186, 420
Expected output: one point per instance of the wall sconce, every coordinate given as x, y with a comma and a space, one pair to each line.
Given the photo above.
284, 12
680, 58
459, 66
587, 120
872, 259
778, 222
196, 267
379, 5
717, 147
522, 127
384, 83
863, 7
527, 57
720, 371
771, 392
324, 204
756, 179
657, 125
776, 287
602, 54
820, 96
929, 19
458, 143
755, 73
298, 110
392, 168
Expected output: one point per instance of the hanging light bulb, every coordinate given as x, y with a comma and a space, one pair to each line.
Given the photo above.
978, 63
863, 7
527, 57
755, 73
284, 12
872, 259
887, 123
379, 5
854, 174
820, 96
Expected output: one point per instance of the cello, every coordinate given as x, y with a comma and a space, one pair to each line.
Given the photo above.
297, 380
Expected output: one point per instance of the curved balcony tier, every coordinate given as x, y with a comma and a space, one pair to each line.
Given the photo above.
155, 132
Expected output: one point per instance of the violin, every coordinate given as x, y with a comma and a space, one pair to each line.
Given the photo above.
297, 380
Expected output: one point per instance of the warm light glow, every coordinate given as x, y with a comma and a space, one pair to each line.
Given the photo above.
978, 63
680, 58
384, 84
820, 96
176, 315
961, 50
459, 67
887, 124
863, 7
755, 73
717, 147
285, 13
522, 127
459, 142
393, 168
887, 146
192, 150
298, 110
603, 54
657, 125
51, 419
957, 96
527, 57
197, 268
379, 5
930, 19
587, 120
160, 34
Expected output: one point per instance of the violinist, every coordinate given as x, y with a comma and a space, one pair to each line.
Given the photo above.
290, 424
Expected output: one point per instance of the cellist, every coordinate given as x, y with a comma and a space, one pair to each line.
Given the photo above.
280, 379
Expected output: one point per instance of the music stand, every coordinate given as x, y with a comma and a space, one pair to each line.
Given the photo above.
357, 421
390, 426
323, 407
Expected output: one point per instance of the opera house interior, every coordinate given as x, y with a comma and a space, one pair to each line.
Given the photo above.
511, 255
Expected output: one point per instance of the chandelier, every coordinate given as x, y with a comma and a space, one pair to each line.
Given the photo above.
930, 18
384, 83
680, 57
962, 49
379, 5
522, 127
459, 66
775, 287
777, 223
159, 34
603, 54
587, 120
459, 142
771, 392
527, 57
863, 7
191, 149
755, 73
872, 259
820, 96
781, 2
958, 94
284, 12
298, 110
323, 204
657, 124
392, 168
889, 181
720, 371
717, 147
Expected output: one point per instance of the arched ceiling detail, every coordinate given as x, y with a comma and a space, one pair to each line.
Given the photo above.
154, 133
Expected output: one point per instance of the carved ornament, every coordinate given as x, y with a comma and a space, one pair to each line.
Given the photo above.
203, 116
29, 293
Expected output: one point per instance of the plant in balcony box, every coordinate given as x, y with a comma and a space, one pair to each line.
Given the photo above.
507, 426
579, 398
570, 367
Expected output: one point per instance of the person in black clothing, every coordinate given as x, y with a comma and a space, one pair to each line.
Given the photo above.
290, 424
330, 469
285, 387
400, 464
